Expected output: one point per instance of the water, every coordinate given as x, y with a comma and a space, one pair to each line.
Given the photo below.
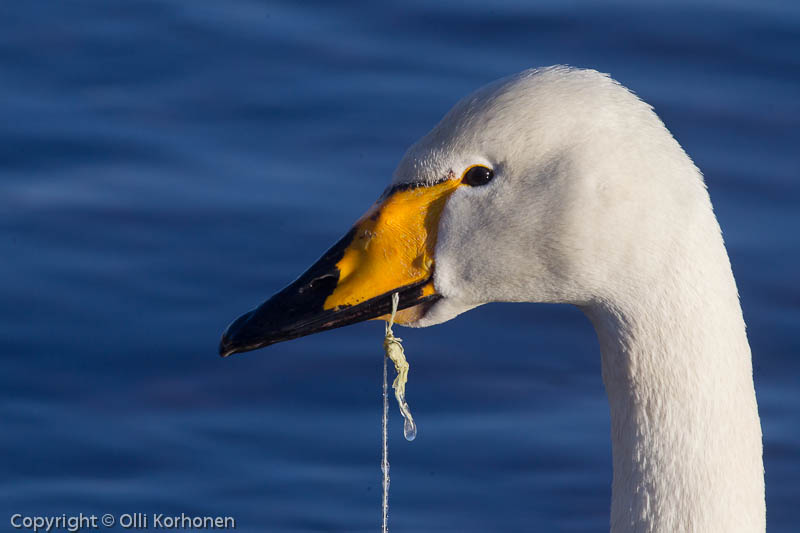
393, 347
167, 165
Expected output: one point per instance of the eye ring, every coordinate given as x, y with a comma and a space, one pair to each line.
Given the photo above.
477, 175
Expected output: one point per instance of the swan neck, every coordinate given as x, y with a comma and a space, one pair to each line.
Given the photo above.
686, 437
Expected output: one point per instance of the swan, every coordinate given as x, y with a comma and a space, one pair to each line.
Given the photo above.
558, 184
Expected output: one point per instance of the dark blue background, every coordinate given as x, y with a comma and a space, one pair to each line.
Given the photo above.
165, 166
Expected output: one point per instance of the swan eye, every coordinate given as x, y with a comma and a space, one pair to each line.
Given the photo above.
477, 175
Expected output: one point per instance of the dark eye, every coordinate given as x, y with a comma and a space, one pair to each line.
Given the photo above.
477, 175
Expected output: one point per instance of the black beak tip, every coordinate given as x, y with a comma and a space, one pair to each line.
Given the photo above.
224, 348
231, 341
291, 314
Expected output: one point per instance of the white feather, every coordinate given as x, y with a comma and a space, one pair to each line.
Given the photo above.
594, 203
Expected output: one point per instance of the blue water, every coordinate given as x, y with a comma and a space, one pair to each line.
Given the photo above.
165, 166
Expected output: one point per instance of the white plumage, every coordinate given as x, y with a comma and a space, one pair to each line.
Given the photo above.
594, 203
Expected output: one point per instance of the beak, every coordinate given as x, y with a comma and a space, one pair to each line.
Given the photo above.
390, 249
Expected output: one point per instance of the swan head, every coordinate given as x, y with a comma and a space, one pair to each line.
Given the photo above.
552, 185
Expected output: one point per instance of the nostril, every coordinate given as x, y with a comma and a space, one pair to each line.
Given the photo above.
314, 283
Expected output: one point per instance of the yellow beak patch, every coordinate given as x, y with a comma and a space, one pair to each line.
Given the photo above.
392, 246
